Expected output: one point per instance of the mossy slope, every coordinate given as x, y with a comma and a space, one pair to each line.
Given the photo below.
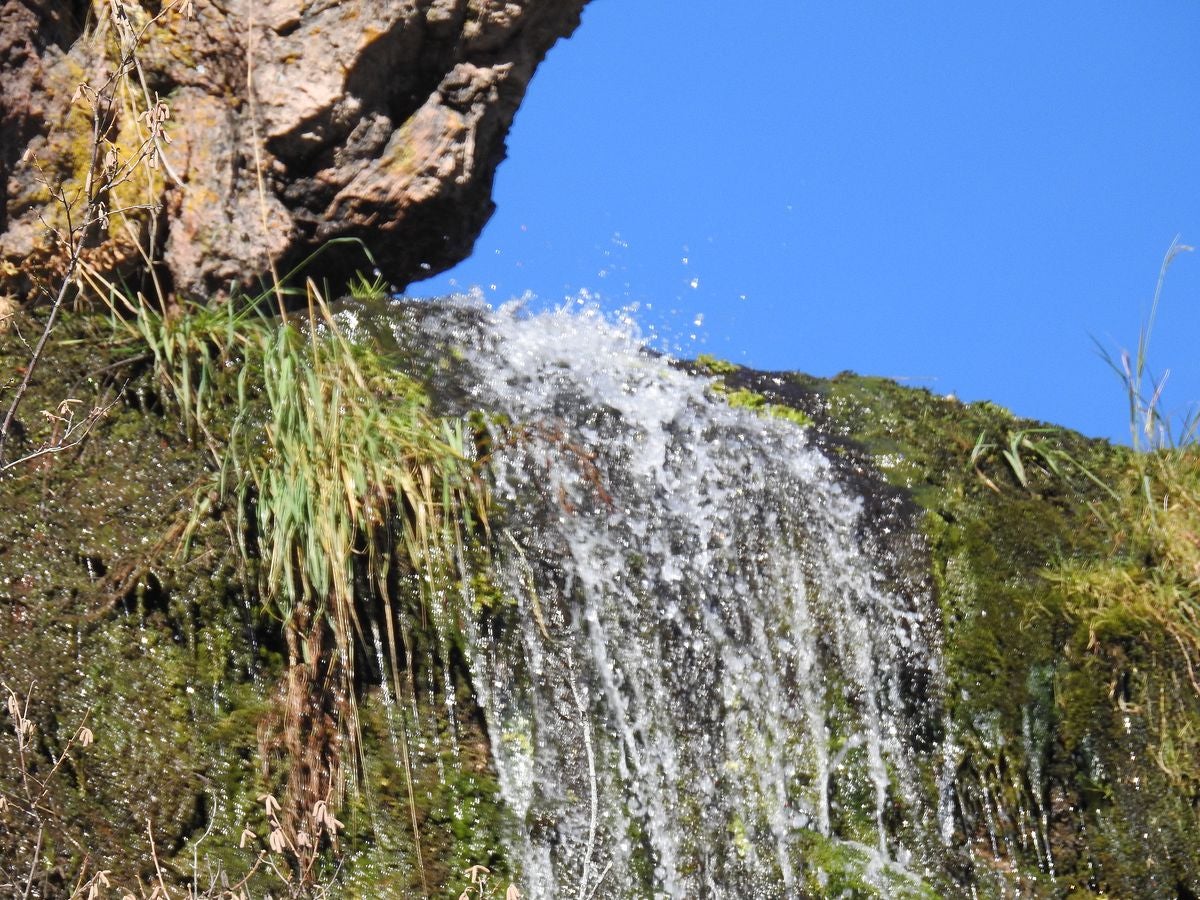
1066, 783
1062, 787
164, 650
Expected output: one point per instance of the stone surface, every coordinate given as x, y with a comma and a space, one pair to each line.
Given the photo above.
175, 666
290, 125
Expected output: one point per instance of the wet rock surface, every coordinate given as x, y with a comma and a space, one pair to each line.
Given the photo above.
1056, 777
159, 645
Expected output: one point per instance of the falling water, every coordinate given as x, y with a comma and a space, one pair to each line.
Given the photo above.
705, 684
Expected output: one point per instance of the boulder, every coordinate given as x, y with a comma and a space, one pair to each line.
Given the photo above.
283, 126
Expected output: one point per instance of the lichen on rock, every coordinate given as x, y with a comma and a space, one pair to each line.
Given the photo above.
290, 125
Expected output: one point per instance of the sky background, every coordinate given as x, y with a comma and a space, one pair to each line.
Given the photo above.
959, 196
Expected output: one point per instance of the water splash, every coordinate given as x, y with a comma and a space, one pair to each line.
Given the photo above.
705, 685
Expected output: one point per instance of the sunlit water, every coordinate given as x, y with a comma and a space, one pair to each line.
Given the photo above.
704, 684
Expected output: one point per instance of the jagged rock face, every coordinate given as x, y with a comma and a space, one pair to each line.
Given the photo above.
290, 124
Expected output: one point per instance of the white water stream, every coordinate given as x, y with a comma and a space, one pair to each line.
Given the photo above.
703, 687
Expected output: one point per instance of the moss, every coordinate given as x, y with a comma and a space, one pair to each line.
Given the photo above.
171, 659
749, 400
169, 43
847, 869
63, 159
743, 398
105, 628
460, 819
399, 158
710, 365
1048, 713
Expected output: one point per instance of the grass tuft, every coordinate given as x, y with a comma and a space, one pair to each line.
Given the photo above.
1142, 608
349, 497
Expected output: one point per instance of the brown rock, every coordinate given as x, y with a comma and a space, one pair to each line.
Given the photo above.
291, 124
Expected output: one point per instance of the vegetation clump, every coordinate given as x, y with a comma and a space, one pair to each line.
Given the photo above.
1140, 608
354, 501
743, 398
347, 513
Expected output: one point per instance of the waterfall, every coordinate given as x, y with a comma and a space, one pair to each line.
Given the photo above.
704, 682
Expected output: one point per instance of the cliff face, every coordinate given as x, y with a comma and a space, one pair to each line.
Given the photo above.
247, 136
129, 604
282, 126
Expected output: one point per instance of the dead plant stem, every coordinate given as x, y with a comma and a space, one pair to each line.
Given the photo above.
154, 855
6, 427
37, 852
258, 167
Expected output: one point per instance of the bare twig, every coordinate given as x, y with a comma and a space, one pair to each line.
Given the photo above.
154, 855
258, 169
104, 173
6, 427
64, 441
37, 852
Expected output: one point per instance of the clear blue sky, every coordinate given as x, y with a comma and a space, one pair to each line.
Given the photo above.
959, 195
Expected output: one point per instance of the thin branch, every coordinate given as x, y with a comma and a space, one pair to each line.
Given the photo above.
90, 420
258, 172
37, 852
154, 856
5, 428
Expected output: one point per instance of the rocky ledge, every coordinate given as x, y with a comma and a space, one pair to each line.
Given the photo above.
281, 126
